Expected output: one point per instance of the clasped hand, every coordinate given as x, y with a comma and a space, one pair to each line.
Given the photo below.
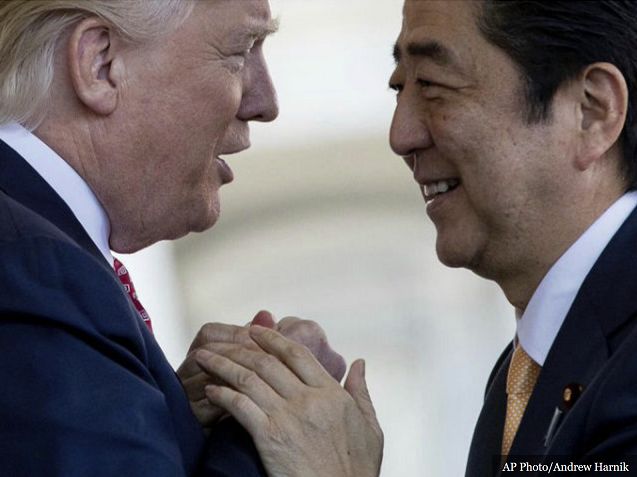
302, 421
194, 379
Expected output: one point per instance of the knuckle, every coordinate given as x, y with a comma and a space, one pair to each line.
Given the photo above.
216, 362
240, 402
266, 362
297, 352
240, 335
308, 333
215, 392
312, 327
313, 330
247, 380
288, 320
208, 332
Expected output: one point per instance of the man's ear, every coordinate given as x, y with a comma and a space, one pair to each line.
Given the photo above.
91, 68
604, 102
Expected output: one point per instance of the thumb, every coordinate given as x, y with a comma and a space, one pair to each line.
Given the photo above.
356, 386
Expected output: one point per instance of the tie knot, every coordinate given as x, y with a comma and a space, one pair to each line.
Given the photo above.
523, 373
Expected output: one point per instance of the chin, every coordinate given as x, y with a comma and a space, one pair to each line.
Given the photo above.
125, 243
205, 220
198, 214
451, 260
454, 254
202, 226
471, 259
128, 245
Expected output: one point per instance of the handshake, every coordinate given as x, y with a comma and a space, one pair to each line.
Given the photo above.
281, 382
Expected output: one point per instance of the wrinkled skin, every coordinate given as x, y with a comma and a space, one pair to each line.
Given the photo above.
194, 379
303, 423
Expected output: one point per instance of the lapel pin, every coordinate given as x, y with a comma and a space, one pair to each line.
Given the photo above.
570, 395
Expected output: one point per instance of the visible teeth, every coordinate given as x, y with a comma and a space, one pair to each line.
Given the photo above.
440, 187
431, 189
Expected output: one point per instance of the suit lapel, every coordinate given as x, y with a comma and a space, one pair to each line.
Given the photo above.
21, 182
598, 319
601, 308
571, 360
484, 453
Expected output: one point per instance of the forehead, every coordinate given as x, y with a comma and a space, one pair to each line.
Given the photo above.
236, 19
444, 32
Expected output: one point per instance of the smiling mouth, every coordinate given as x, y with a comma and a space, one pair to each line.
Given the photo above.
431, 190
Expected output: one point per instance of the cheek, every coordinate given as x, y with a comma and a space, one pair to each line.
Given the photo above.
214, 115
210, 98
224, 94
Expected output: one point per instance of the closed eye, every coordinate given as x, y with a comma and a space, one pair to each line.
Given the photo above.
253, 44
425, 83
235, 63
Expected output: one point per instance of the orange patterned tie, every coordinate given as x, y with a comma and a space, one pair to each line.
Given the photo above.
523, 373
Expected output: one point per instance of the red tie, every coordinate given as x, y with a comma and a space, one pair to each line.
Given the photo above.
125, 278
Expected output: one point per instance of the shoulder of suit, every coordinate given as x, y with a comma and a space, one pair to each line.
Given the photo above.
18, 222
47, 279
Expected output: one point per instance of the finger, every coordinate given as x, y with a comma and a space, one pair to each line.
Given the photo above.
242, 379
194, 385
333, 362
305, 332
268, 367
189, 368
212, 333
286, 322
206, 413
219, 332
296, 357
264, 318
310, 334
356, 386
242, 408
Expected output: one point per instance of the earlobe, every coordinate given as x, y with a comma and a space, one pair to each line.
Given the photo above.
604, 103
90, 57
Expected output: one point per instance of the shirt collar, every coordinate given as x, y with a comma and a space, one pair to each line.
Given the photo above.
540, 322
63, 179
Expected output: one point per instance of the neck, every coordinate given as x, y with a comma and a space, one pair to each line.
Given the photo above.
547, 247
71, 145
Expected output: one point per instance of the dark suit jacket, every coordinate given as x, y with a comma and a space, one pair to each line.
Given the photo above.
596, 347
84, 388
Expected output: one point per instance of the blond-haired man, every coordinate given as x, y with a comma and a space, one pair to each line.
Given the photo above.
114, 117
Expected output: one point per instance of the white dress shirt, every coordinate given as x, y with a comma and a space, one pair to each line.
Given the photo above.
65, 181
543, 317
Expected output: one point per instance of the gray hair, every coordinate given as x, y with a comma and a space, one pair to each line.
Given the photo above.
30, 29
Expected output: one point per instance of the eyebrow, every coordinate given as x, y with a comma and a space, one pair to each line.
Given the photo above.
259, 31
433, 50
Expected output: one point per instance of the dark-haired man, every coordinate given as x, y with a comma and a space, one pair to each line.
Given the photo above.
518, 122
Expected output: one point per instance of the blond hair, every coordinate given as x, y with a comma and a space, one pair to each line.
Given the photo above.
29, 30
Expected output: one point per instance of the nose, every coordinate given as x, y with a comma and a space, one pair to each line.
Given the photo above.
259, 101
408, 132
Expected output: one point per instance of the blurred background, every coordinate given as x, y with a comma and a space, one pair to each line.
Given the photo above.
325, 223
